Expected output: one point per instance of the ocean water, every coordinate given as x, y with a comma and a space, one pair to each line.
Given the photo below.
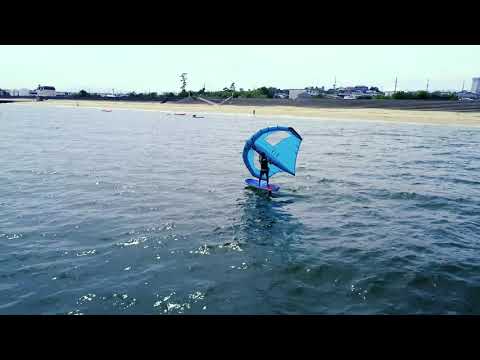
136, 212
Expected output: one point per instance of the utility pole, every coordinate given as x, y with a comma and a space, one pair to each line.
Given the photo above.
395, 90
463, 85
428, 80
335, 83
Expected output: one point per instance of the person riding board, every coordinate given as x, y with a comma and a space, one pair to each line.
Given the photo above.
263, 168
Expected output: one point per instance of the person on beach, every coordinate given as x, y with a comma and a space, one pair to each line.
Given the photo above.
263, 168
253, 112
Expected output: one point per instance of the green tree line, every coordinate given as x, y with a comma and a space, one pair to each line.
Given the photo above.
262, 92
420, 95
265, 93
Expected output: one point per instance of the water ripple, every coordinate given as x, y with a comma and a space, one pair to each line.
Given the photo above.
144, 213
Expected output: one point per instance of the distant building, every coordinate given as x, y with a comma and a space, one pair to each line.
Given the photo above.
361, 88
281, 95
46, 91
24, 92
476, 85
294, 94
467, 95
313, 92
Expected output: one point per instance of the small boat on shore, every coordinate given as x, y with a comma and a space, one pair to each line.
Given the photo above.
179, 114
106, 110
197, 117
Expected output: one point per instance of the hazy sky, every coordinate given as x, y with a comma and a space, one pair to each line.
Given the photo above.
157, 68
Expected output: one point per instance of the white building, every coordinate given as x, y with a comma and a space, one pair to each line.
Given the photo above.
295, 93
476, 85
24, 92
46, 91
313, 92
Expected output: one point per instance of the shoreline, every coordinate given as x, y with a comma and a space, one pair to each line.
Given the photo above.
449, 118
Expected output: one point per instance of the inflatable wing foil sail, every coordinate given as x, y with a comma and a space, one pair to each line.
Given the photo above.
280, 145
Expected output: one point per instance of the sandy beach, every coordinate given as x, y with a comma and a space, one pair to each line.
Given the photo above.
384, 115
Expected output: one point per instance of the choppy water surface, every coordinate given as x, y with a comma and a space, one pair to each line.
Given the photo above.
134, 212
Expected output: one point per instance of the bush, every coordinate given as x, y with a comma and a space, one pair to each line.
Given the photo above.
422, 95
401, 95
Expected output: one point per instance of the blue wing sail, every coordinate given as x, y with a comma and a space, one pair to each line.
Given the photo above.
280, 145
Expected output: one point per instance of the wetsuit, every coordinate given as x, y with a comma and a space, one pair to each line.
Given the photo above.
263, 169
